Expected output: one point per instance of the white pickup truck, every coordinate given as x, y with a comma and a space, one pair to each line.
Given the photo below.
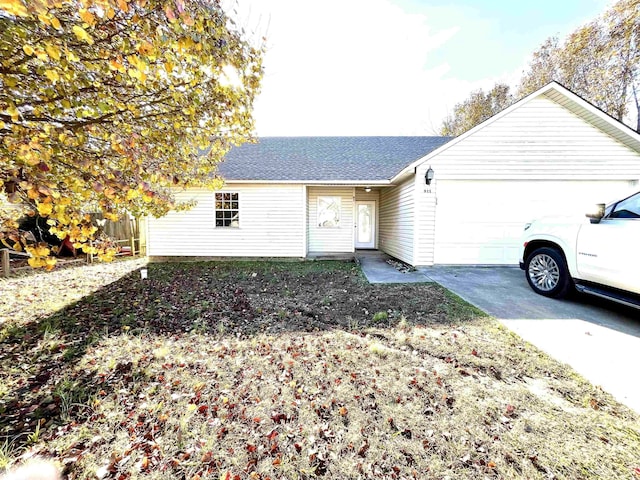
597, 255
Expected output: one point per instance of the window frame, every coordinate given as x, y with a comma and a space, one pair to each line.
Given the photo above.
216, 209
339, 220
612, 209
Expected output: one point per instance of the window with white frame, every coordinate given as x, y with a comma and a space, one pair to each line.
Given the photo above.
329, 212
227, 209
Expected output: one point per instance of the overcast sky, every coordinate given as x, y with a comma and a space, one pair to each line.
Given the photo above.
392, 67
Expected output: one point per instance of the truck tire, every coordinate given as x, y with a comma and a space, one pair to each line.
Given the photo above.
547, 273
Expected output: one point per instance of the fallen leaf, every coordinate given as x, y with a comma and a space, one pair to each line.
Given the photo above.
278, 417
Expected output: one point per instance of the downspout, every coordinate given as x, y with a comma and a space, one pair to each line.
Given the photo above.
305, 211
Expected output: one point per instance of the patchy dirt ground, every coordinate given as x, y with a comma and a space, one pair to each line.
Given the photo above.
287, 370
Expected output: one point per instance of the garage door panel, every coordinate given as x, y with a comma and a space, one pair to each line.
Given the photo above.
481, 222
473, 232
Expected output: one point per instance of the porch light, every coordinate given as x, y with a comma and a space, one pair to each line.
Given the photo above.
367, 189
428, 177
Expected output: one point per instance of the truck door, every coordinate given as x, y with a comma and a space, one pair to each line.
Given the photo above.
609, 252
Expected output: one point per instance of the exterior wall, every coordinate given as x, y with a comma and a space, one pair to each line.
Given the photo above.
425, 223
362, 196
271, 220
396, 213
541, 140
8, 206
330, 240
372, 196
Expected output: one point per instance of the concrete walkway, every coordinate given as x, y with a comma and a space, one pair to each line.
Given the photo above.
375, 267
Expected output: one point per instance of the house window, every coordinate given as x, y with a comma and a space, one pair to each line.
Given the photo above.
329, 212
227, 210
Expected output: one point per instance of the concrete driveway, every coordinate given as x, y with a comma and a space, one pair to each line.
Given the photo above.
599, 339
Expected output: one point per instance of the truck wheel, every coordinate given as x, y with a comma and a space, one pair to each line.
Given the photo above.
547, 273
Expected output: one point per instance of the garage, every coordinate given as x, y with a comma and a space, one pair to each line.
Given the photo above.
551, 153
479, 222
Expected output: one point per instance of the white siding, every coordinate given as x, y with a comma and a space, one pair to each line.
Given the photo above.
540, 141
271, 219
597, 118
6, 205
425, 220
362, 196
330, 240
396, 232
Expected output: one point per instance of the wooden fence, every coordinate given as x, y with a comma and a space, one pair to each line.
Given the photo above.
127, 233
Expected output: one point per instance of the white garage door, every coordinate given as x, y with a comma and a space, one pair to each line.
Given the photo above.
480, 222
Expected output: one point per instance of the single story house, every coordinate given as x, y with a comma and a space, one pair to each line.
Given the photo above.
423, 200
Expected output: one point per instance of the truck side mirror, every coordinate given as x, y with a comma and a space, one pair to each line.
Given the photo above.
597, 214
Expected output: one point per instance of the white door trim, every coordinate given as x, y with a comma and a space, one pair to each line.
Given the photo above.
372, 243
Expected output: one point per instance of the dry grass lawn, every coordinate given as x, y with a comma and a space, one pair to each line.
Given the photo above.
287, 371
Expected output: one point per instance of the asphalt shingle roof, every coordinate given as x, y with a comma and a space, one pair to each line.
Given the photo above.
325, 158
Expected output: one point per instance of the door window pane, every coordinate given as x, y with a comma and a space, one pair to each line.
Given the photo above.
364, 223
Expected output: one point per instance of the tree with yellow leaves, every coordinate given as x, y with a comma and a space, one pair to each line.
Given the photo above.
106, 106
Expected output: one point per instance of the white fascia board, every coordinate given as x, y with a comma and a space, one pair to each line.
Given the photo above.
374, 183
403, 175
623, 128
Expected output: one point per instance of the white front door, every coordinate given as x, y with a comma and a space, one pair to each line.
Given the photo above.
366, 224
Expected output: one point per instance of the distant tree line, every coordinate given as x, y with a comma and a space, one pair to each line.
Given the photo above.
599, 61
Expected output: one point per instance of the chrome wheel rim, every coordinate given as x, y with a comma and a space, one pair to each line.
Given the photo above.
544, 272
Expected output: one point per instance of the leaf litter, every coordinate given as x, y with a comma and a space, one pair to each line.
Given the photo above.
280, 370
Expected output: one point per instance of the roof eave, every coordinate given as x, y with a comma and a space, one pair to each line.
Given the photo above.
633, 136
468, 133
620, 131
372, 183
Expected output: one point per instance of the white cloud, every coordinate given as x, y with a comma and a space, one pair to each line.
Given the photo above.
349, 68
368, 67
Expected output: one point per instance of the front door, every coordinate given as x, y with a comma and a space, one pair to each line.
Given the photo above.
366, 224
